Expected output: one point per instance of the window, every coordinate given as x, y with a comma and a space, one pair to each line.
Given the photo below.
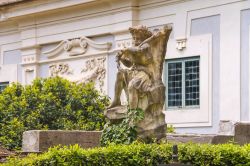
183, 82
3, 85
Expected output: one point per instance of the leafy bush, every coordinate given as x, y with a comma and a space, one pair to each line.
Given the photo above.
113, 155
212, 155
170, 128
124, 132
52, 103
141, 154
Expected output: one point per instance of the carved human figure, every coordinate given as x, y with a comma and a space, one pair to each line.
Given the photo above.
142, 80
145, 63
124, 76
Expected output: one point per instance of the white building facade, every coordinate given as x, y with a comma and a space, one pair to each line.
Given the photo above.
206, 70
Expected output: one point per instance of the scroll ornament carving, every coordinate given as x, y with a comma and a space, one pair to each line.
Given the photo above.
69, 46
75, 47
59, 69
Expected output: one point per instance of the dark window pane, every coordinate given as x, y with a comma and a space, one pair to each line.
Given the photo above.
174, 84
192, 75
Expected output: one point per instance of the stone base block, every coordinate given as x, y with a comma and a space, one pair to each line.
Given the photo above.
197, 138
242, 133
40, 140
238, 132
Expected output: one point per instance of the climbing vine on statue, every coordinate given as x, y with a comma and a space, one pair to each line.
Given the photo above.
51, 103
124, 132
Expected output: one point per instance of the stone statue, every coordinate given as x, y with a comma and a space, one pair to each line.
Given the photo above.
142, 80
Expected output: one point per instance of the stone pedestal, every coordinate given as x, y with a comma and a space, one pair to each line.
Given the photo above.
39, 140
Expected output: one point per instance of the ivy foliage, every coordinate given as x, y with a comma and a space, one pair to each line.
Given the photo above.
124, 132
51, 103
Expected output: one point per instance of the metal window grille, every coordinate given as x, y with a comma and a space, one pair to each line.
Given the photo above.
183, 82
175, 84
192, 81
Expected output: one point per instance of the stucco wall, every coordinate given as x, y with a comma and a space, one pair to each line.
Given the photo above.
26, 32
14, 57
245, 24
209, 25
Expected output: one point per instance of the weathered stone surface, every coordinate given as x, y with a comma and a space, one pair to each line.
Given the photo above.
220, 139
242, 133
229, 130
226, 127
141, 79
197, 138
9, 2
39, 140
116, 114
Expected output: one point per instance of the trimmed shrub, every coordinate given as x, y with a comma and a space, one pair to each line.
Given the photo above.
137, 154
51, 103
113, 155
212, 155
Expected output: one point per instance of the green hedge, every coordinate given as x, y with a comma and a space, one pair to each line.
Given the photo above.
213, 155
141, 154
113, 155
52, 103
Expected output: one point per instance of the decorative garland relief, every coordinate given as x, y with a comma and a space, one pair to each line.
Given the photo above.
93, 70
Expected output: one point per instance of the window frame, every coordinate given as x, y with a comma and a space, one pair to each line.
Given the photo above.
3, 84
194, 117
183, 93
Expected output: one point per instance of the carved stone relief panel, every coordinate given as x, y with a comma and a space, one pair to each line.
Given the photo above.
79, 60
59, 69
82, 71
94, 70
